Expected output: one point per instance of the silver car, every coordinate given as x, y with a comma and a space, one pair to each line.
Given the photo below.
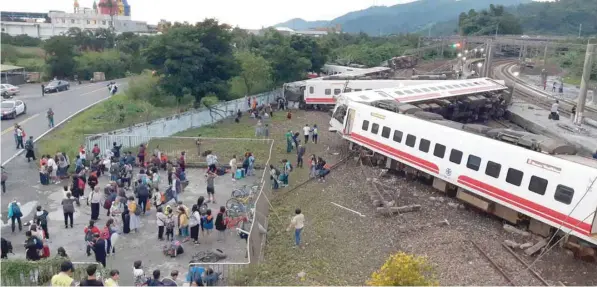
9, 90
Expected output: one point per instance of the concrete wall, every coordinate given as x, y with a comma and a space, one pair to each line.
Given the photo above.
164, 127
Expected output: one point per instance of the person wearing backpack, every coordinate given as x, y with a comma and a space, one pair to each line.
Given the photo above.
6, 247
195, 275
41, 218
15, 214
68, 208
142, 192
30, 150
134, 212
221, 222
31, 252
90, 230
106, 235
169, 223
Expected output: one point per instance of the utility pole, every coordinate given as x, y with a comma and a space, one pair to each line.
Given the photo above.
497, 27
579, 30
429, 32
545, 56
488, 71
584, 83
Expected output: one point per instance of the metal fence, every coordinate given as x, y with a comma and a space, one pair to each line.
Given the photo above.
172, 147
193, 119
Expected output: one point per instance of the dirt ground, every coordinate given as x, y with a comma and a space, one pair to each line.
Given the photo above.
344, 247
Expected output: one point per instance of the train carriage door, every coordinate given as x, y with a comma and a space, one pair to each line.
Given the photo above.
349, 121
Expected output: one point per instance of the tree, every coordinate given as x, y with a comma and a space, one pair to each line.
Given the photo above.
488, 22
255, 70
402, 269
194, 59
60, 56
310, 49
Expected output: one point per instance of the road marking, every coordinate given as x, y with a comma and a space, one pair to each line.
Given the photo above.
20, 123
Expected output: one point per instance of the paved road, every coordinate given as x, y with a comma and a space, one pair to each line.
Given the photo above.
63, 103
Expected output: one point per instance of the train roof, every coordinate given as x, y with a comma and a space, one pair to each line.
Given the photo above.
359, 72
417, 93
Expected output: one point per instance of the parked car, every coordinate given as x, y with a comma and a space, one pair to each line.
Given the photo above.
11, 109
56, 86
9, 90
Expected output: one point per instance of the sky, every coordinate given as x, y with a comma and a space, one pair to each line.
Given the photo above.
248, 14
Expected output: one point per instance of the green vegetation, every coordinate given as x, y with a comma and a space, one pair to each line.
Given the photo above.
20, 40
558, 17
14, 271
402, 269
117, 112
488, 22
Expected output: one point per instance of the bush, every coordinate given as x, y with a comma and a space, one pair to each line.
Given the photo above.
402, 269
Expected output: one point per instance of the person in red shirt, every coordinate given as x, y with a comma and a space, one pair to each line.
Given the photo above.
90, 232
181, 161
95, 151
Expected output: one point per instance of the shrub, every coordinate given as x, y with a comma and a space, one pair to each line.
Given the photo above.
402, 269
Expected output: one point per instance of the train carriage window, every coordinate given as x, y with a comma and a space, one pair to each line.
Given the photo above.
469, 84
347, 90
449, 86
455, 156
311, 90
439, 150
426, 90
358, 90
374, 128
410, 140
397, 136
493, 169
538, 185
441, 87
365, 125
337, 91
473, 162
408, 91
368, 89
417, 90
399, 93
433, 88
385, 132
424, 145
328, 92
514, 176
564, 194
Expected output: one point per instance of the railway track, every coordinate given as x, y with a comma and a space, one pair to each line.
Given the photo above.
516, 272
528, 94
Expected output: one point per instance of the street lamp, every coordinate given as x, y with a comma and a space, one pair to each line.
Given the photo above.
482, 49
479, 65
459, 55
466, 51
463, 58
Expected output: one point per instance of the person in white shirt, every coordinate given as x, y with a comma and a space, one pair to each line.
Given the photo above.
554, 110
306, 132
233, 166
298, 222
54, 168
212, 161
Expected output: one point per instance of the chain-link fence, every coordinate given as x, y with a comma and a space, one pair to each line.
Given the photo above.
224, 149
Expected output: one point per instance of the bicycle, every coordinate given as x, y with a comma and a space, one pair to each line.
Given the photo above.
244, 191
237, 221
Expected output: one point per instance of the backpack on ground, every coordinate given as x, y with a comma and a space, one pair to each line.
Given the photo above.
16, 210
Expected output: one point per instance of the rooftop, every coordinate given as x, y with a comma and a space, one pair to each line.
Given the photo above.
8, 68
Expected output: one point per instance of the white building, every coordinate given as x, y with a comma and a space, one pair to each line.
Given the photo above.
59, 22
288, 32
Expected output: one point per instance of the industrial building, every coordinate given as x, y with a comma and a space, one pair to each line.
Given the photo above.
106, 14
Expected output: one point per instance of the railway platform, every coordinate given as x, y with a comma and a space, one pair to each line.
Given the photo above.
535, 119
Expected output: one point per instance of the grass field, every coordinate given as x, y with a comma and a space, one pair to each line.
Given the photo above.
103, 117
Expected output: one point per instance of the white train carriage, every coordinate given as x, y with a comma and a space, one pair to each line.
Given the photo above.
325, 92
551, 189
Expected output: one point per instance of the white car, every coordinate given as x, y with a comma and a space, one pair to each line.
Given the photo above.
11, 109
9, 90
